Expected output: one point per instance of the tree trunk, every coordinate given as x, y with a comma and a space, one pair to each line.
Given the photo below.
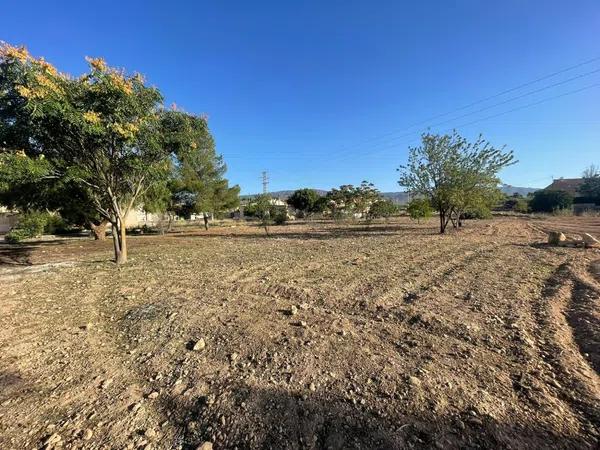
119, 241
444, 219
205, 221
442, 222
99, 231
122, 256
115, 237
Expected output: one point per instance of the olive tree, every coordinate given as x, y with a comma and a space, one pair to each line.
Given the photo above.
303, 200
455, 175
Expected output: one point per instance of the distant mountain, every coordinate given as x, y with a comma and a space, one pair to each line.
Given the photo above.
509, 190
281, 195
400, 198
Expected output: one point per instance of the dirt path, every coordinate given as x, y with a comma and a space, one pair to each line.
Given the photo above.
321, 336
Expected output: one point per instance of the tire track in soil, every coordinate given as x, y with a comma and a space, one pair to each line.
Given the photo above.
558, 340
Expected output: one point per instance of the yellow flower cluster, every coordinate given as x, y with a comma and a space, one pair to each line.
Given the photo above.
45, 65
10, 52
121, 83
126, 131
24, 91
91, 117
45, 85
97, 63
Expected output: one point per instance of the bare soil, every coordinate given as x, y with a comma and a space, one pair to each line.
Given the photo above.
320, 336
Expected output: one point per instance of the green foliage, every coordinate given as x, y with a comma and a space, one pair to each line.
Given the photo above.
454, 174
321, 205
477, 213
198, 173
30, 224
419, 208
516, 204
100, 133
590, 187
349, 199
279, 215
263, 208
550, 200
382, 208
304, 200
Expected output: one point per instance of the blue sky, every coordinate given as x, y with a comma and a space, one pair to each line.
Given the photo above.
321, 93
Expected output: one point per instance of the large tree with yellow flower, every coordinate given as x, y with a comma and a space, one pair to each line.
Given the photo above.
100, 132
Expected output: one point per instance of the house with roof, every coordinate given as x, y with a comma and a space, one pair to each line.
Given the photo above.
572, 185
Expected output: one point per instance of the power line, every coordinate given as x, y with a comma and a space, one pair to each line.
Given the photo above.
528, 105
518, 97
491, 97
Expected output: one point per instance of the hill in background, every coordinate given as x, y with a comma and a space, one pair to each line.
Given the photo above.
400, 198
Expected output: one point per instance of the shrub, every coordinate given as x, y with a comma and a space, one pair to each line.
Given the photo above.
419, 208
279, 216
549, 201
522, 206
481, 213
31, 224
382, 208
55, 224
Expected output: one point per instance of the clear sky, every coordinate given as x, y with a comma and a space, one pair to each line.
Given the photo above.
321, 93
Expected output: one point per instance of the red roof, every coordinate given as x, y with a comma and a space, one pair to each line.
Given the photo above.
570, 185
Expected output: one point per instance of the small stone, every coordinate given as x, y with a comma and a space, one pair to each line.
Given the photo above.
205, 446
106, 383
556, 238
312, 387
293, 310
136, 406
414, 381
150, 433
87, 434
153, 395
199, 345
233, 357
53, 439
590, 241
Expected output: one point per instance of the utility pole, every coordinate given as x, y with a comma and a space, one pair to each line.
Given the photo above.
265, 182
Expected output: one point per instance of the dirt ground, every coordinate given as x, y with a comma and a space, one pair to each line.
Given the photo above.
320, 336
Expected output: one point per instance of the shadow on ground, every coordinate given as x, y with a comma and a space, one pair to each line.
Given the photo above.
276, 419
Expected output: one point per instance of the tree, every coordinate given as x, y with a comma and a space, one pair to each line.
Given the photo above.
100, 131
348, 199
550, 201
590, 187
321, 205
199, 169
382, 208
454, 174
28, 184
419, 208
263, 208
303, 200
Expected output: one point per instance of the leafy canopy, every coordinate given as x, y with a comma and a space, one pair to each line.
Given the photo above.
455, 175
